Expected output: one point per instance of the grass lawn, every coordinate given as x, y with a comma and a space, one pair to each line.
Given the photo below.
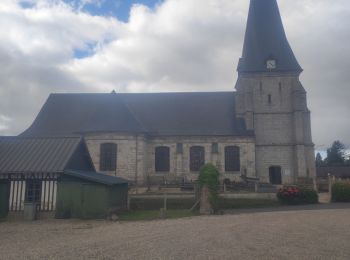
137, 215
148, 209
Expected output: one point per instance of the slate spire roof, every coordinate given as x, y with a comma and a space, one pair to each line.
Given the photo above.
265, 39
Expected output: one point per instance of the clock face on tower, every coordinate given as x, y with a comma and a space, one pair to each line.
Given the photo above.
271, 64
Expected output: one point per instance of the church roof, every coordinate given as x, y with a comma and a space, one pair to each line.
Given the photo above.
197, 113
265, 39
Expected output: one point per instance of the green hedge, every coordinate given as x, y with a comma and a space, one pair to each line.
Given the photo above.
296, 195
341, 192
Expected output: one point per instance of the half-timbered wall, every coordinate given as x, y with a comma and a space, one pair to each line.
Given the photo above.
18, 190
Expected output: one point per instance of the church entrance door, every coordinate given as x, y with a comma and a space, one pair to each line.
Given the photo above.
275, 173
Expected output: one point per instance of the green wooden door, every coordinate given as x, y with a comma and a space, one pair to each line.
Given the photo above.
4, 198
94, 201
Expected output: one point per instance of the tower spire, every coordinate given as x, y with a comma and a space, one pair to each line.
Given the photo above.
266, 48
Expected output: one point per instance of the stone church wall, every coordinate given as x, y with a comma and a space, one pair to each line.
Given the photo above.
275, 107
180, 162
126, 153
136, 155
282, 156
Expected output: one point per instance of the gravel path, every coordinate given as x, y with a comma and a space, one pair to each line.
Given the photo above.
304, 234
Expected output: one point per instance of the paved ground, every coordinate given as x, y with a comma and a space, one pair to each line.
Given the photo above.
308, 233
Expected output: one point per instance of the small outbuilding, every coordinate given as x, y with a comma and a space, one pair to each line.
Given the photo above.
90, 195
55, 177
339, 172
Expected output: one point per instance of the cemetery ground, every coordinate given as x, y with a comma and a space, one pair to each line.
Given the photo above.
302, 232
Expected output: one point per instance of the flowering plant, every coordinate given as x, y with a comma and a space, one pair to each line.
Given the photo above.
293, 195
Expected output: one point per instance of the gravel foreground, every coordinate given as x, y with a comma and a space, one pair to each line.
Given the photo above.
307, 234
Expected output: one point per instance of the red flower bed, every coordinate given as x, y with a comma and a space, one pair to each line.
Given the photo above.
293, 195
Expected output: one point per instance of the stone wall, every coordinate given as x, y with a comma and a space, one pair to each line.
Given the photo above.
275, 107
136, 155
180, 162
128, 145
282, 156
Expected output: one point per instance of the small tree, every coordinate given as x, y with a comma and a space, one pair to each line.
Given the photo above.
319, 160
336, 154
209, 183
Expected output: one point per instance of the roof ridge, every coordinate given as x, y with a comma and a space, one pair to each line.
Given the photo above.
145, 93
19, 137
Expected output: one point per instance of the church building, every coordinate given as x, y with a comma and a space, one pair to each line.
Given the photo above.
262, 130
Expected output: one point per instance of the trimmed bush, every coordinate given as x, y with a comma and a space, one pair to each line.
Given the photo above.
294, 195
341, 192
209, 176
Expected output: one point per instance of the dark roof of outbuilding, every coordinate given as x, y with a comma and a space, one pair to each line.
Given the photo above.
96, 177
265, 39
191, 113
339, 172
29, 155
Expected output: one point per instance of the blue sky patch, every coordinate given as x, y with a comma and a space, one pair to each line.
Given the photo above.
89, 50
117, 8
26, 4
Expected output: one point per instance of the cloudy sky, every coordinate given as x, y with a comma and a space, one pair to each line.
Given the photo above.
163, 45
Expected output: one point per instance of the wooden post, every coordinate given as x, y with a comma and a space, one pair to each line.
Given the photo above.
205, 206
314, 180
162, 213
332, 180
165, 201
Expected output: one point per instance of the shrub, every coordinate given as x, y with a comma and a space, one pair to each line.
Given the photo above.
294, 195
209, 176
341, 192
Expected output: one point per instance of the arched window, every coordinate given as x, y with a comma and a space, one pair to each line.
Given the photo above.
232, 159
162, 159
197, 158
108, 157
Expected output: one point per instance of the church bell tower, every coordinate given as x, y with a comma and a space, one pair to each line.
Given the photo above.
271, 99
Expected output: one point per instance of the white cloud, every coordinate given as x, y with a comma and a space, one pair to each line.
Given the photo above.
181, 45
4, 122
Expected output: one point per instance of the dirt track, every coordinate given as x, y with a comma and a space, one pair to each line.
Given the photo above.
309, 234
